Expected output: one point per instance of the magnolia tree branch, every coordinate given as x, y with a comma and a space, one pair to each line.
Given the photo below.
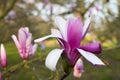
88, 8
10, 7
64, 76
77, 10
7, 72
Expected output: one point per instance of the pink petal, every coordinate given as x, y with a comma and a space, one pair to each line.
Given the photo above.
26, 29
3, 57
28, 42
92, 47
65, 46
33, 50
24, 54
74, 32
22, 36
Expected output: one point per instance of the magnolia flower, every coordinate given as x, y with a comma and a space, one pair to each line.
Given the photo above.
11, 16
46, 1
29, 1
94, 10
70, 35
23, 43
3, 57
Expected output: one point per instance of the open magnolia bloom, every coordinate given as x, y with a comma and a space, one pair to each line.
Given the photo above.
24, 43
69, 36
3, 56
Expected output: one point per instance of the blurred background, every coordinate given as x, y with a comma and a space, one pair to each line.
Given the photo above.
39, 16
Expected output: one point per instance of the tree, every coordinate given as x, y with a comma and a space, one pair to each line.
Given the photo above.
40, 18
111, 30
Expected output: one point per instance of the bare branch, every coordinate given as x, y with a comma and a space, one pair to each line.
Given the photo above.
10, 7
88, 8
77, 9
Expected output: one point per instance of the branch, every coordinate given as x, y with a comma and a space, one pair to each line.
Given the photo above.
7, 72
64, 76
88, 8
10, 7
76, 10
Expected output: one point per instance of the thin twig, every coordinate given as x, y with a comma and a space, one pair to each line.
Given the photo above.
64, 76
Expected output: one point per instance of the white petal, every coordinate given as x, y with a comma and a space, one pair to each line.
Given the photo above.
16, 41
43, 38
62, 25
56, 33
86, 25
91, 57
34, 48
52, 59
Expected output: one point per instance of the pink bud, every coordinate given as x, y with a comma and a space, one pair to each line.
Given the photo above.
78, 68
3, 57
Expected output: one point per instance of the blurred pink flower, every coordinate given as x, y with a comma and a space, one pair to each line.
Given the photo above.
23, 43
11, 16
46, 1
3, 57
93, 10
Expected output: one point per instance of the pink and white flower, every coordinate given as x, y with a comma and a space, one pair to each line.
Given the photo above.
69, 36
24, 43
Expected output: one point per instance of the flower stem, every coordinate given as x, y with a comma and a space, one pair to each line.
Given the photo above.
64, 76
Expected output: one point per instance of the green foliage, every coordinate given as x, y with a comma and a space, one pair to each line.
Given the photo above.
37, 69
